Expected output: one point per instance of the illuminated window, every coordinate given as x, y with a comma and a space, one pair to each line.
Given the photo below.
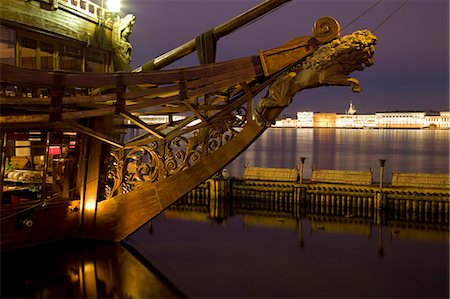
70, 58
7, 45
47, 50
28, 53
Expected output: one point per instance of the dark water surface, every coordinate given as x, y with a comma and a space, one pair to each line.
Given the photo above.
271, 253
268, 254
257, 256
81, 269
425, 151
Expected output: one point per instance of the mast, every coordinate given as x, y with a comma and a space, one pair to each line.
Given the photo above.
218, 32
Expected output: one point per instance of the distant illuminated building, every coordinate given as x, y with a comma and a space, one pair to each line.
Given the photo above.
400, 119
325, 120
351, 109
305, 119
379, 120
438, 121
286, 123
355, 121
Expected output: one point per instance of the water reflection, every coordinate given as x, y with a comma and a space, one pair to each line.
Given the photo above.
424, 151
333, 216
283, 248
71, 269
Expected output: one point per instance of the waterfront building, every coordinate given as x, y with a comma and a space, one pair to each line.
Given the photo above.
305, 119
287, 123
400, 119
355, 121
380, 120
441, 121
325, 120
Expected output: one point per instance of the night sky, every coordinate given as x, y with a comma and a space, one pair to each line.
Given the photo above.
411, 70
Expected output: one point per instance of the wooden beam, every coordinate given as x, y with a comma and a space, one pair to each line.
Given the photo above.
219, 31
192, 108
97, 135
137, 121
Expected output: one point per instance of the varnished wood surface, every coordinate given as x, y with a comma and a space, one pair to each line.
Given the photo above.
120, 216
197, 81
51, 221
65, 21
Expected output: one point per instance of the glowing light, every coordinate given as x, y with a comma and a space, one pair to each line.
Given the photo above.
54, 150
23, 148
90, 205
114, 5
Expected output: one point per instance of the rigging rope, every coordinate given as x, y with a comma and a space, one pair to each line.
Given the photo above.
388, 17
362, 14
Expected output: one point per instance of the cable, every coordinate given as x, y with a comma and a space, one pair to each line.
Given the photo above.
388, 17
366, 11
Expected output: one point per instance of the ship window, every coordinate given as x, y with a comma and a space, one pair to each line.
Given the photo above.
70, 58
7, 45
95, 62
28, 52
47, 50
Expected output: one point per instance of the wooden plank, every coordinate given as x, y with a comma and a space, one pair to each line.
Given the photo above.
421, 180
25, 76
342, 177
153, 102
93, 133
246, 72
15, 101
141, 124
30, 118
88, 113
195, 111
276, 59
271, 174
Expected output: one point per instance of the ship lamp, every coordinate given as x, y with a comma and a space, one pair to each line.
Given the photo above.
114, 5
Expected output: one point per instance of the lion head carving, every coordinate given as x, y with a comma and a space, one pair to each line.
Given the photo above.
329, 65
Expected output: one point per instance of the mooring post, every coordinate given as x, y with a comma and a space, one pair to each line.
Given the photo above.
382, 162
302, 161
380, 192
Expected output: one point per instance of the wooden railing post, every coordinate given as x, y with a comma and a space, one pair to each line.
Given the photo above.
56, 94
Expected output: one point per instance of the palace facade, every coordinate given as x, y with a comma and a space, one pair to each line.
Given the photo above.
378, 120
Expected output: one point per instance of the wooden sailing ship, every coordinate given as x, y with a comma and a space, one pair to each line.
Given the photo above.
69, 167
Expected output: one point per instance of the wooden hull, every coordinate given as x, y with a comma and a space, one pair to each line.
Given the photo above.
25, 225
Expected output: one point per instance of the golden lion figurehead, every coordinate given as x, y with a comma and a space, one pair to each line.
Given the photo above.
352, 52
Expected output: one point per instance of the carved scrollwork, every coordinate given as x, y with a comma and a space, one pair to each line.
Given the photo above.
140, 164
181, 153
161, 159
326, 29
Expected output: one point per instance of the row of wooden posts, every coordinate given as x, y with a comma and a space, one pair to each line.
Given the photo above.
345, 201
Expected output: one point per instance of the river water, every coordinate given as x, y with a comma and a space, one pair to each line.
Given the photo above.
424, 151
266, 253
308, 255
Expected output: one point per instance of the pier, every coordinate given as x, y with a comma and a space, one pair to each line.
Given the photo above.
333, 192
345, 210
